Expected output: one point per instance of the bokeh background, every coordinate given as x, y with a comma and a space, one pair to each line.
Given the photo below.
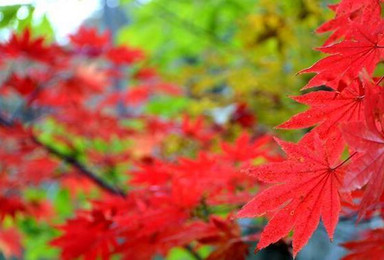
221, 52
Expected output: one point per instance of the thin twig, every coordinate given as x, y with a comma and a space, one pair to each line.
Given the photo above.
82, 169
192, 252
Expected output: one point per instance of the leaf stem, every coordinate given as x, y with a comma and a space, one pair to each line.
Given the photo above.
379, 80
345, 161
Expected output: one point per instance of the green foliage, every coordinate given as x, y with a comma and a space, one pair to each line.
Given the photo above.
224, 52
19, 17
181, 30
37, 237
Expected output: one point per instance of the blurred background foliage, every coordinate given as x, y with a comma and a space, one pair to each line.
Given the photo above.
229, 51
223, 53
220, 51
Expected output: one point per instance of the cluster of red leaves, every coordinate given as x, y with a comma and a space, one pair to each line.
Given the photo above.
21, 166
312, 182
171, 204
166, 202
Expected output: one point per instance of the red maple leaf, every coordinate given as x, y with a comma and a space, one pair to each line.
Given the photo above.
10, 206
347, 13
25, 45
90, 42
369, 247
196, 129
244, 149
366, 169
308, 184
367, 138
23, 85
124, 55
90, 235
330, 108
155, 173
243, 116
349, 57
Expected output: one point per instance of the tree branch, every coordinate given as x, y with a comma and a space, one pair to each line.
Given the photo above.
192, 252
82, 169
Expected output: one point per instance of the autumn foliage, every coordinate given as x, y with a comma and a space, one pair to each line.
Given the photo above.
75, 118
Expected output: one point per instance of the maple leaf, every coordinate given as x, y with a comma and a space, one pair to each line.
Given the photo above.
330, 108
23, 85
195, 129
155, 173
243, 116
308, 184
124, 55
367, 138
244, 149
10, 206
90, 235
90, 41
365, 169
349, 12
24, 45
369, 247
349, 57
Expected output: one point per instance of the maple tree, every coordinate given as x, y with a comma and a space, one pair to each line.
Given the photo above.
77, 118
